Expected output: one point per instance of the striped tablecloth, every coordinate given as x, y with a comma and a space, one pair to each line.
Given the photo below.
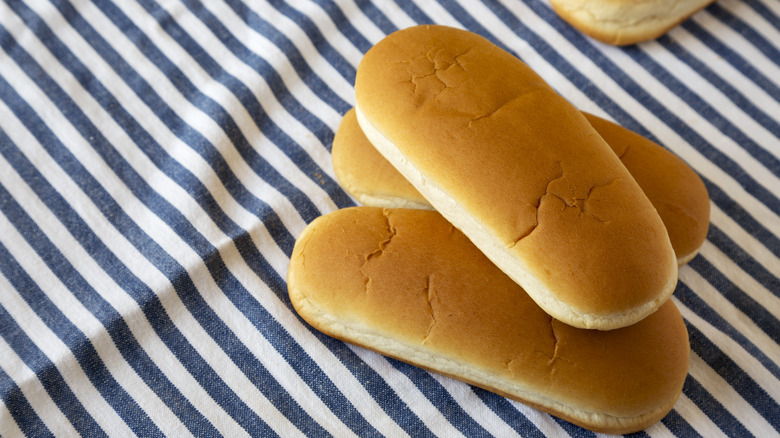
158, 158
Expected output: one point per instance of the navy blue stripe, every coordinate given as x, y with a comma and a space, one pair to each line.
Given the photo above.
328, 399
272, 77
249, 100
717, 119
440, 398
292, 352
742, 301
36, 360
168, 116
115, 325
339, 19
376, 16
573, 430
307, 75
713, 409
514, 419
20, 409
337, 403
414, 12
735, 59
747, 32
722, 364
695, 304
78, 343
678, 426
740, 100
181, 282
744, 219
743, 259
763, 11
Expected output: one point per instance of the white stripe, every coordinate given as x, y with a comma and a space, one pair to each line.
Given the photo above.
278, 60
736, 42
73, 309
464, 395
755, 21
153, 226
757, 249
738, 320
735, 352
712, 96
136, 262
54, 349
657, 430
722, 391
199, 122
543, 421
8, 426
415, 400
741, 279
719, 66
392, 12
328, 30
697, 419
31, 389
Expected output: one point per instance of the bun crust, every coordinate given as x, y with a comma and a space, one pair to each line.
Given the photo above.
674, 189
365, 174
407, 284
623, 22
520, 171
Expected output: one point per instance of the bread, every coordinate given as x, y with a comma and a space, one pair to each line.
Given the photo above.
674, 189
406, 284
623, 22
520, 171
365, 174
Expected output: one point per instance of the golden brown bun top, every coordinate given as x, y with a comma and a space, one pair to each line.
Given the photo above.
527, 167
409, 276
676, 191
364, 172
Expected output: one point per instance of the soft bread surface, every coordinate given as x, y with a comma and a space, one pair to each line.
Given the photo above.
622, 22
365, 174
520, 171
674, 189
407, 284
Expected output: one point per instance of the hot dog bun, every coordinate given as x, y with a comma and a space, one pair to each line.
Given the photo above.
674, 189
520, 171
407, 284
622, 22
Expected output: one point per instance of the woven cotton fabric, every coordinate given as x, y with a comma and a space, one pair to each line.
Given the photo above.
159, 158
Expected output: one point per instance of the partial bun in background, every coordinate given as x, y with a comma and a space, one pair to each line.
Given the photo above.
407, 284
623, 22
520, 171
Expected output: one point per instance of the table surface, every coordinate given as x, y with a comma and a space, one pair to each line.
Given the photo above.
159, 158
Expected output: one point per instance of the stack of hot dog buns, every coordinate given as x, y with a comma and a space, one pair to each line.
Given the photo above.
504, 242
